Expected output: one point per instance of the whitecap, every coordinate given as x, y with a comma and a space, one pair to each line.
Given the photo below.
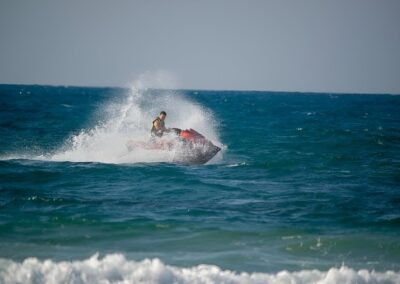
115, 268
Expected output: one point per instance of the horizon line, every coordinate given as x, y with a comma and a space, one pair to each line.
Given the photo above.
197, 89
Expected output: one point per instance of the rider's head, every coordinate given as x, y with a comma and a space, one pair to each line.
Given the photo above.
162, 115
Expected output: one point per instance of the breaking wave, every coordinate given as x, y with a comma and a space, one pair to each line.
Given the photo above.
115, 268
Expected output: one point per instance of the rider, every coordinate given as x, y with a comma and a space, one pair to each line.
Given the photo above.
158, 127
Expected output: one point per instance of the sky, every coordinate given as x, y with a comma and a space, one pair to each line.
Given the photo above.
343, 46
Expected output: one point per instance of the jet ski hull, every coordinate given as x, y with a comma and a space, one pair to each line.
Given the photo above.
196, 154
189, 147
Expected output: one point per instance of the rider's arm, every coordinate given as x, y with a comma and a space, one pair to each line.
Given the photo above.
157, 125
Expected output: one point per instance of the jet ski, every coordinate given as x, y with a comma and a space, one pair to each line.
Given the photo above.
189, 146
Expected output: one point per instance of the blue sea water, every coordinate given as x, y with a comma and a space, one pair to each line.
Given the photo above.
304, 183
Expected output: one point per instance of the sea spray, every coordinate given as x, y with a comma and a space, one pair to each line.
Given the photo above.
129, 118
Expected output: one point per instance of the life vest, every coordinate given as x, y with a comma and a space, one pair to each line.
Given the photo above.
154, 130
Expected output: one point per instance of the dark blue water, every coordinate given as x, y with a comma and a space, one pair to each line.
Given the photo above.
304, 181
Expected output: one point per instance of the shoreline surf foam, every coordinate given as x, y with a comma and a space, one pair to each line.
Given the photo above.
115, 268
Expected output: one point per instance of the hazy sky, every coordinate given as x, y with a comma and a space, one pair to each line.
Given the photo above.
316, 45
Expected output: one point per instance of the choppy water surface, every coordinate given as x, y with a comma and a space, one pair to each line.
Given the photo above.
304, 181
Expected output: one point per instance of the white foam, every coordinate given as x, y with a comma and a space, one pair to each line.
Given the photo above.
236, 165
129, 118
115, 268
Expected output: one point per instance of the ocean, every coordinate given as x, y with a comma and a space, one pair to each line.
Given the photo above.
306, 188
